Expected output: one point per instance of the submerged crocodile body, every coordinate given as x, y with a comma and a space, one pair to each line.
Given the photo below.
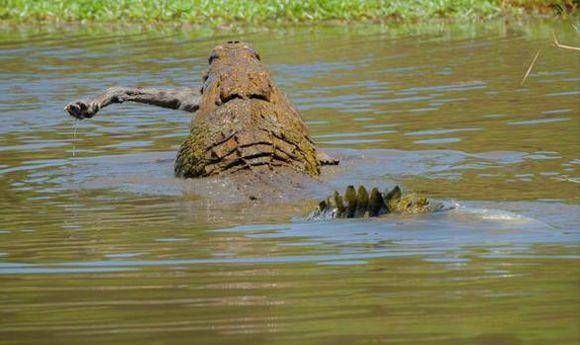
245, 126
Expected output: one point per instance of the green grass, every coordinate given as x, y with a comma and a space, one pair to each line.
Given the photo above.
220, 12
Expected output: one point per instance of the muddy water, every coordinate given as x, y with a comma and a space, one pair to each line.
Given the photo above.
100, 244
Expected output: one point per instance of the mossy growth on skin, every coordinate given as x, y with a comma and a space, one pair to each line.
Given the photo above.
244, 122
190, 161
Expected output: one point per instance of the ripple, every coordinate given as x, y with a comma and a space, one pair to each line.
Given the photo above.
34, 146
317, 122
557, 111
442, 131
352, 141
560, 94
382, 125
60, 270
438, 141
459, 86
539, 156
423, 110
130, 144
171, 239
123, 255
538, 121
354, 134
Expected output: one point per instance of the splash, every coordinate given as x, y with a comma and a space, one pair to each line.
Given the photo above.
74, 137
495, 215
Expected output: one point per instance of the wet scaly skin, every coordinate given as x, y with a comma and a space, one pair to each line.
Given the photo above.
359, 203
244, 121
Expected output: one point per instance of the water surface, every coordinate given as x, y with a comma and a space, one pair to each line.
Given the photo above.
99, 243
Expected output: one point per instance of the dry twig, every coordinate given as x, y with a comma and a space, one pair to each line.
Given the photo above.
530, 68
562, 46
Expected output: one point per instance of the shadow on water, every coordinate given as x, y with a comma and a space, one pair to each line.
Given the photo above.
106, 243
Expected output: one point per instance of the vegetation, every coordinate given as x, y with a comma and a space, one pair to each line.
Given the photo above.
222, 12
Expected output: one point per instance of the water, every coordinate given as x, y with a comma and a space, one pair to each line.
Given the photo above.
98, 241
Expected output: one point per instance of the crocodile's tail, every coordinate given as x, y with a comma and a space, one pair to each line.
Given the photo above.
359, 203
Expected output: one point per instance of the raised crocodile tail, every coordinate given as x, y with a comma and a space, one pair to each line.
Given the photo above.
358, 203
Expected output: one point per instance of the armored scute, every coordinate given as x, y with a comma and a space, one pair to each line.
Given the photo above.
244, 121
357, 204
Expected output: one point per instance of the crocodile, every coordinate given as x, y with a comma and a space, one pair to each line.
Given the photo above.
245, 127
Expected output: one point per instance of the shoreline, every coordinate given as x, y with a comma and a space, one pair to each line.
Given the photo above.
542, 27
241, 28
231, 14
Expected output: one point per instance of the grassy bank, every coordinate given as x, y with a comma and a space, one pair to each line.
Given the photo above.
220, 12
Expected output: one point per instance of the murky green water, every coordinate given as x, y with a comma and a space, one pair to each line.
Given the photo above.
107, 247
